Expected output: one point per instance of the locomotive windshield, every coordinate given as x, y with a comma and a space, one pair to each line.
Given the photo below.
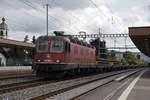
42, 46
57, 46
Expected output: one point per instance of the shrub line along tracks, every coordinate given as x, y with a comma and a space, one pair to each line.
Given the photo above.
69, 90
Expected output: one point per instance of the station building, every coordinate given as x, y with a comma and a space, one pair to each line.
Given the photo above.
3, 33
12, 51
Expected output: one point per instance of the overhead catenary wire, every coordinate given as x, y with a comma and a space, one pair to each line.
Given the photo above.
35, 6
99, 10
105, 16
70, 14
71, 18
20, 24
30, 4
113, 13
112, 18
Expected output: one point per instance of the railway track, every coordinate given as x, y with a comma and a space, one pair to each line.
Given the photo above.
67, 91
65, 85
16, 79
27, 84
16, 76
22, 85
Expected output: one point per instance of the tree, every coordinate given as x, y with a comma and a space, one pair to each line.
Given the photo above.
129, 57
112, 55
26, 39
33, 40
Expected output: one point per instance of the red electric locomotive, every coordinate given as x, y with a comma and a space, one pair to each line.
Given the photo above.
57, 55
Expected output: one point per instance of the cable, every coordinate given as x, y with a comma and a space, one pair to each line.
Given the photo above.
91, 1
70, 14
30, 4
112, 12
77, 19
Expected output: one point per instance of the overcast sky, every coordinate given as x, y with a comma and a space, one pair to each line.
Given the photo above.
27, 17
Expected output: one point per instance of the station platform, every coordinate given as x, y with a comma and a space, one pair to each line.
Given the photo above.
5, 68
136, 87
11, 70
141, 90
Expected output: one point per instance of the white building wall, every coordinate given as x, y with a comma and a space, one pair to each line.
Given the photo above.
3, 60
4, 31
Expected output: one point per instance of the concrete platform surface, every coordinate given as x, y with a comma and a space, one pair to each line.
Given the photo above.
15, 67
141, 90
13, 70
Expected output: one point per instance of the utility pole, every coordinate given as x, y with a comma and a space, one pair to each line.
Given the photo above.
125, 43
112, 20
99, 30
115, 43
99, 48
47, 5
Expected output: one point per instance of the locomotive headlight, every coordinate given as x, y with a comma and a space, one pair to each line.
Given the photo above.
39, 60
48, 56
57, 61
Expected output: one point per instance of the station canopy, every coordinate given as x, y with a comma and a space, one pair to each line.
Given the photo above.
141, 38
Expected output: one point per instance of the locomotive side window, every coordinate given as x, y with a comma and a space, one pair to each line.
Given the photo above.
82, 51
57, 46
91, 53
42, 46
75, 50
87, 52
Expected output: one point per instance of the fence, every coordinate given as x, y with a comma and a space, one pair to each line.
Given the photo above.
19, 62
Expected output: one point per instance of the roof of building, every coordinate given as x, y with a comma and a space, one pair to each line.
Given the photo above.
8, 42
139, 31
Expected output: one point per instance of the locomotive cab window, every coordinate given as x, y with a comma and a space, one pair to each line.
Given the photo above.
42, 46
57, 47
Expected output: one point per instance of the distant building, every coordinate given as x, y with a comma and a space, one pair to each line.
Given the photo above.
3, 28
142, 56
119, 54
